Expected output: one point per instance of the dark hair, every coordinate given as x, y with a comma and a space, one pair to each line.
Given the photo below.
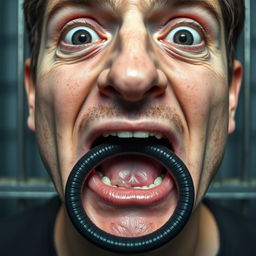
233, 12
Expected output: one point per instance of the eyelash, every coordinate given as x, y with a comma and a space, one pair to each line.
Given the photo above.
81, 22
194, 25
161, 35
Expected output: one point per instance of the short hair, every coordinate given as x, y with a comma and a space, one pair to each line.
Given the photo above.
233, 12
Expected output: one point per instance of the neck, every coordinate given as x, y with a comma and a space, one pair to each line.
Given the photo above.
198, 238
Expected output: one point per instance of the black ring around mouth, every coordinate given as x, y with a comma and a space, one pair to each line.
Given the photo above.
145, 243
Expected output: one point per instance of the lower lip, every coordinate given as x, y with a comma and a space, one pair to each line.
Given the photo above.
130, 196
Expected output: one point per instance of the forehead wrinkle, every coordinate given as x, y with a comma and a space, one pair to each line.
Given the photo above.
157, 3
119, 6
116, 5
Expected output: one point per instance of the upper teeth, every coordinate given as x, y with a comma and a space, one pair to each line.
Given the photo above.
139, 134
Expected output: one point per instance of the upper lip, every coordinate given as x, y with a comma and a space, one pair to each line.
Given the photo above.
172, 132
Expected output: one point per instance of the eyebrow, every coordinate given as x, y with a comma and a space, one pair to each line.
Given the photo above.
210, 8
89, 3
117, 5
206, 5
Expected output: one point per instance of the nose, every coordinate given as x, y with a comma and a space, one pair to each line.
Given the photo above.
132, 74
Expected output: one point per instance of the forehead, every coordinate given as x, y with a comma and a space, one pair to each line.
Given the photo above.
120, 6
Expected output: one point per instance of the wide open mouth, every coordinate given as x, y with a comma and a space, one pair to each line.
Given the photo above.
130, 195
131, 231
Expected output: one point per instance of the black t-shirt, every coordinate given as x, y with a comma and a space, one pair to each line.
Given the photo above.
237, 232
31, 233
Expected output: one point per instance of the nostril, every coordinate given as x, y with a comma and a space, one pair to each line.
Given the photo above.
131, 93
109, 91
155, 91
132, 84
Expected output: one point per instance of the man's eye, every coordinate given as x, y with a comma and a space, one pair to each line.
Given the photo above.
184, 35
81, 35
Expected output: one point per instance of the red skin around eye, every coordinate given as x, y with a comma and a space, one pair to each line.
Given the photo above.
68, 48
192, 48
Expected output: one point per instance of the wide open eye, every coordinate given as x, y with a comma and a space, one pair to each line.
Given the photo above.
81, 35
184, 35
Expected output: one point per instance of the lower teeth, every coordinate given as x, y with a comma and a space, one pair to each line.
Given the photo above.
158, 181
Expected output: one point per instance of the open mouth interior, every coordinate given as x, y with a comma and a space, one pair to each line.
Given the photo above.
131, 171
130, 195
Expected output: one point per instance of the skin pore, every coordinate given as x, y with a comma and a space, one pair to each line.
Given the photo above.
134, 74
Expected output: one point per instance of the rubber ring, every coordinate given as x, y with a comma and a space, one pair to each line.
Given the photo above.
145, 243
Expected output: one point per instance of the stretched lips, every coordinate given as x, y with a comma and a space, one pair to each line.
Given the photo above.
130, 196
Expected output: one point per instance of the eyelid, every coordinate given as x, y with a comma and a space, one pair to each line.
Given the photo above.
166, 29
87, 23
67, 51
69, 34
197, 38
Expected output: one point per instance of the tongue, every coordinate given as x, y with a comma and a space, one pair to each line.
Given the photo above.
131, 170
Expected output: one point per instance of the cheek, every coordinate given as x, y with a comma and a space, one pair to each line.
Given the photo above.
64, 84
63, 91
202, 96
60, 95
200, 92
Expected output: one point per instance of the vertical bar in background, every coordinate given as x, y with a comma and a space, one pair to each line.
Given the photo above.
21, 171
246, 133
247, 97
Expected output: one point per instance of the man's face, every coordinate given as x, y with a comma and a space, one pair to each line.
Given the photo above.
132, 68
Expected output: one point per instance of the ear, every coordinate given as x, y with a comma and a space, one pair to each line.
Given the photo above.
30, 91
234, 89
